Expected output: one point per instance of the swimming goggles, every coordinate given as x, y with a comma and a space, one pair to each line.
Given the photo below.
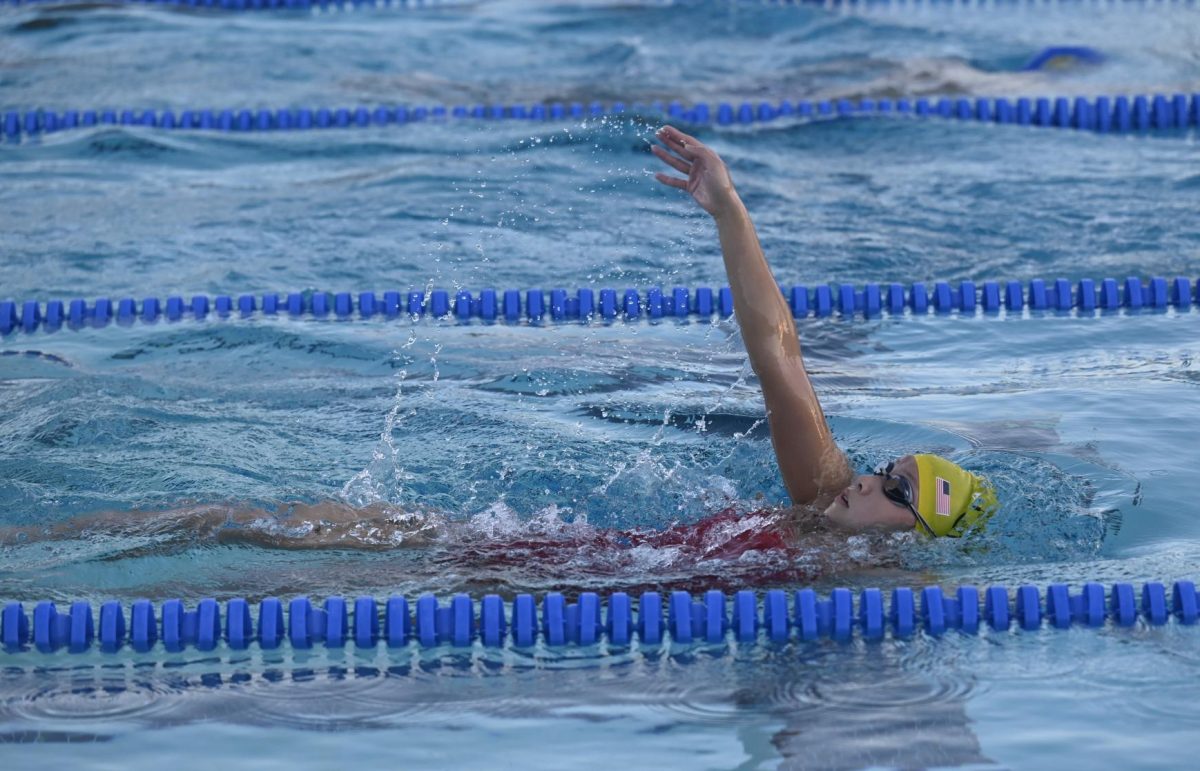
899, 492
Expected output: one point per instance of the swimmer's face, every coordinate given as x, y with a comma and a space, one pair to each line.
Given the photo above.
863, 506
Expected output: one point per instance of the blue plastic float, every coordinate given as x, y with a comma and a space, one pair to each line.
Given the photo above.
711, 618
586, 305
1103, 114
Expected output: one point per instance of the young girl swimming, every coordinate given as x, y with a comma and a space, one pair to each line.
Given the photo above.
923, 492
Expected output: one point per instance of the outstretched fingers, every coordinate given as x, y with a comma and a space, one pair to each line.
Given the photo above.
678, 141
684, 145
671, 160
671, 181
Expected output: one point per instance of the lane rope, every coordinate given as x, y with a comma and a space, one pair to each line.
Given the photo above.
618, 621
586, 305
1102, 114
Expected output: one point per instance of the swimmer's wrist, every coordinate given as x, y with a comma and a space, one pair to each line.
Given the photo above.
730, 210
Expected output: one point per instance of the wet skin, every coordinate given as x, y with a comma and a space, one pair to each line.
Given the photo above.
863, 505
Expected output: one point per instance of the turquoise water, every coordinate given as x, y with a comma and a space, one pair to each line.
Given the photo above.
553, 433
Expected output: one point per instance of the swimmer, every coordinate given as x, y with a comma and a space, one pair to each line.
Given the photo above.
923, 491
920, 492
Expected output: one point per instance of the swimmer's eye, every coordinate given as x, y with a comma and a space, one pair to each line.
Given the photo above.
898, 490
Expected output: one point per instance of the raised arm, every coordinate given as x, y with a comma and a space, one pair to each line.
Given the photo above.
811, 463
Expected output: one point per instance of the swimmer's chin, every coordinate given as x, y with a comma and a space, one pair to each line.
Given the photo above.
835, 505
832, 518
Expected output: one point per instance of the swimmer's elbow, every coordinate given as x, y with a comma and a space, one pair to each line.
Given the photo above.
819, 478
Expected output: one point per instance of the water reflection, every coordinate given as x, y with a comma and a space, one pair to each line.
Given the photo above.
911, 703
878, 714
840, 706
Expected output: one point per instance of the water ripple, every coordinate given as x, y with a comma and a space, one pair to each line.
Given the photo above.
102, 696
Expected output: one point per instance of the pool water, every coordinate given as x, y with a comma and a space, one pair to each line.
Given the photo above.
557, 433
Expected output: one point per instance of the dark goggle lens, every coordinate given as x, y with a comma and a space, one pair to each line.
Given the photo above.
895, 488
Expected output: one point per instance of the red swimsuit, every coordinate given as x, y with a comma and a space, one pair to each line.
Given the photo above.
725, 534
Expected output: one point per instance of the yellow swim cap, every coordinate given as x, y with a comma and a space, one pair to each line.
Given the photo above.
952, 498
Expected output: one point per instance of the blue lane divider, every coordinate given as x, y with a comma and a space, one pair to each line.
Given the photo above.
512, 306
1103, 114
710, 618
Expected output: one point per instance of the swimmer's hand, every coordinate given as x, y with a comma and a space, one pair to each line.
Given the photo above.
707, 178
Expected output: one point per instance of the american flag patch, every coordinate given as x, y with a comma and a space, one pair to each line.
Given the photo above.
942, 500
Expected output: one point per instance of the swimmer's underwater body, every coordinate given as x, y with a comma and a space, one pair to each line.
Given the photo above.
920, 492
